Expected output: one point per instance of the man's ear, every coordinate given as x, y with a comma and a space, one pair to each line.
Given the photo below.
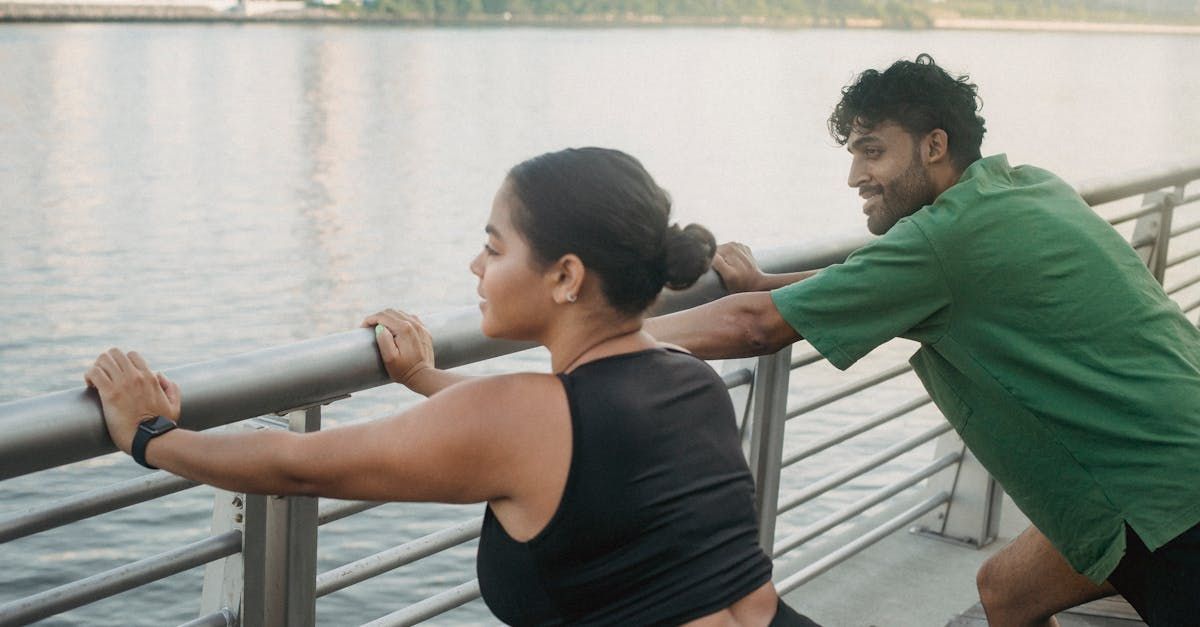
565, 278
936, 147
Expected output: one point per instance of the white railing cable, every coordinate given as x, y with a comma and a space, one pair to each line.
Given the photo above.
334, 509
1174, 261
805, 358
224, 618
120, 579
848, 389
433, 606
1187, 228
856, 429
882, 457
1184, 284
842, 515
92, 503
849, 550
393, 558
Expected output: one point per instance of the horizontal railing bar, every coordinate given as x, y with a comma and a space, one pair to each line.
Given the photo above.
1183, 230
1186, 283
1190, 307
92, 503
734, 378
1135, 214
1182, 258
224, 618
1096, 192
332, 509
882, 457
409, 552
856, 429
65, 427
803, 359
433, 606
120, 579
836, 518
806, 574
848, 389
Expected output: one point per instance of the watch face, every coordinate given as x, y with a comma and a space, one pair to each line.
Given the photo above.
157, 425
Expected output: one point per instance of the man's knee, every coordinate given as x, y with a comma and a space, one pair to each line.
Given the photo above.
990, 582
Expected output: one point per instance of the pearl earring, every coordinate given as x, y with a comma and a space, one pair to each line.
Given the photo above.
571, 297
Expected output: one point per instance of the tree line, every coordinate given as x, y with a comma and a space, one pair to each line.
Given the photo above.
890, 13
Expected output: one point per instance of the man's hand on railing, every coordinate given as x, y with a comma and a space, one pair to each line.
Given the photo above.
739, 271
404, 344
130, 393
736, 266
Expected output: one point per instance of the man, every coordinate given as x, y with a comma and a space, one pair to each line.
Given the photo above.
1044, 340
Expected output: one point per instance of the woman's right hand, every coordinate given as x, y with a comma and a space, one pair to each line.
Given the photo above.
404, 343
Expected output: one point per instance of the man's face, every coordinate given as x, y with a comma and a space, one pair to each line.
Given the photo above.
889, 174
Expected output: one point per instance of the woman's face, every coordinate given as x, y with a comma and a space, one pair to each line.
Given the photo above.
516, 295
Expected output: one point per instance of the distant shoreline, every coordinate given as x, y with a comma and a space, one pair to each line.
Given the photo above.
292, 12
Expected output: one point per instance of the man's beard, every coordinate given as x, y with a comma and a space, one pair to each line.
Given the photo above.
902, 196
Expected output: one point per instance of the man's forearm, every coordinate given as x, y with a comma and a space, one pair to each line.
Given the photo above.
741, 325
770, 282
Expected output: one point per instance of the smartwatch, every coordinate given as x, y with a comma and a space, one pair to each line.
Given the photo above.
147, 430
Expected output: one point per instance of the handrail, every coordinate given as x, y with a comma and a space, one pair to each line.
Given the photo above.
1099, 192
65, 427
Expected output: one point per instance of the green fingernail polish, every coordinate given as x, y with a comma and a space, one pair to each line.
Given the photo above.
379, 329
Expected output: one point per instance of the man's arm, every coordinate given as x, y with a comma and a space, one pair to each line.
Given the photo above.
740, 325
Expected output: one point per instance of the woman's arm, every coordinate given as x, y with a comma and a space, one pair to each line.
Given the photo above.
487, 439
407, 351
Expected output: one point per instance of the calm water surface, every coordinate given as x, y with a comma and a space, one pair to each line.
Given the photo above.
201, 191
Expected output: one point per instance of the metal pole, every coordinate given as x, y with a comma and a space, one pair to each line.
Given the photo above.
280, 553
768, 417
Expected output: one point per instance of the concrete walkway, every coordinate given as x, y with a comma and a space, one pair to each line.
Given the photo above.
909, 580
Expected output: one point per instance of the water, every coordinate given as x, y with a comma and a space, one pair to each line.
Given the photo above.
197, 191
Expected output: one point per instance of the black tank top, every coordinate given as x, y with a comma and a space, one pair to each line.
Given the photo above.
656, 525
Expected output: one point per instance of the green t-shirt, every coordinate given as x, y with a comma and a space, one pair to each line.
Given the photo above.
1046, 343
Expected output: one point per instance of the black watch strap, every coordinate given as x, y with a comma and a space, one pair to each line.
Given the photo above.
147, 430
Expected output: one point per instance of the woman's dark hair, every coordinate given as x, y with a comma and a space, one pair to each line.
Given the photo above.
602, 205
920, 97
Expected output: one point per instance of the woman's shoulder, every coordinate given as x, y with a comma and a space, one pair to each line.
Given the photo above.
506, 397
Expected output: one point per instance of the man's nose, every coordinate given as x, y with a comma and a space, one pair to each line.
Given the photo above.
857, 176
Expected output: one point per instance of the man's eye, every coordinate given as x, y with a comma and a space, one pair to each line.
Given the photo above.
489, 250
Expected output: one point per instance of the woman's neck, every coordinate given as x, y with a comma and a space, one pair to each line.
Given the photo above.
581, 343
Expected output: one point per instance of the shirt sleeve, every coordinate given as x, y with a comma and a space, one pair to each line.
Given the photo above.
892, 287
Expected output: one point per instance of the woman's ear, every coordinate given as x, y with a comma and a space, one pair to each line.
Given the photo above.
565, 277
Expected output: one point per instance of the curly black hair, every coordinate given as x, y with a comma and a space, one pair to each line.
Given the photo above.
919, 96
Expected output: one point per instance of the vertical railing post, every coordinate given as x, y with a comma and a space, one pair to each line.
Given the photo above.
280, 551
223, 581
768, 415
972, 516
1152, 233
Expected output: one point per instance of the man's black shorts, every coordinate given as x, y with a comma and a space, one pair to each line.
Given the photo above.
1164, 585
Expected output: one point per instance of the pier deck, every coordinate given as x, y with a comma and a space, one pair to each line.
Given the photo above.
938, 587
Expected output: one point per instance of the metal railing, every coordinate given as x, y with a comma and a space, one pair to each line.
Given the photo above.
260, 556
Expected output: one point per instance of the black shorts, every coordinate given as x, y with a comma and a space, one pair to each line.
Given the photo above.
1163, 585
785, 616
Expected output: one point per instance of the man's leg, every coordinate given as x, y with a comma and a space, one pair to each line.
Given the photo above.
1027, 582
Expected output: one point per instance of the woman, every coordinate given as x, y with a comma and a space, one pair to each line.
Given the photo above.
616, 489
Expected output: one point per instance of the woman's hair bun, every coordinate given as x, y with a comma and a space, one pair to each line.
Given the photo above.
687, 254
